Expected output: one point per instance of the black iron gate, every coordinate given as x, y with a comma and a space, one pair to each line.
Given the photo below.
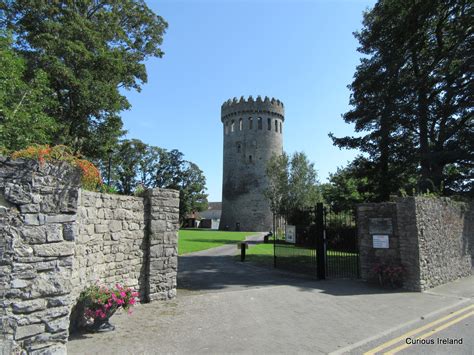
325, 244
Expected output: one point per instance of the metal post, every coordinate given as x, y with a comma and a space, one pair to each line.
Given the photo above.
274, 254
320, 247
242, 251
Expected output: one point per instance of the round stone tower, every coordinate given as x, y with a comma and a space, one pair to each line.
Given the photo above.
253, 133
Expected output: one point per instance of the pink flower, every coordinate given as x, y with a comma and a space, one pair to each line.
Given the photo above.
132, 301
123, 294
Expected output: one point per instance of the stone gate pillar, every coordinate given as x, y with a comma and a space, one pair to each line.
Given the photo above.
38, 205
163, 225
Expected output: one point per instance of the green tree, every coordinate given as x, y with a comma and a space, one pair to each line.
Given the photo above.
277, 172
173, 172
292, 183
411, 95
168, 172
129, 160
349, 185
89, 50
25, 103
136, 163
192, 196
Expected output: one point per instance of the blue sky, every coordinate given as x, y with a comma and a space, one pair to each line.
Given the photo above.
301, 52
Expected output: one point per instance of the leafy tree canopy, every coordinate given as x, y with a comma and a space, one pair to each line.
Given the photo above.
25, 102
349, 185
136, 165
411, 96
88, 50
292, 183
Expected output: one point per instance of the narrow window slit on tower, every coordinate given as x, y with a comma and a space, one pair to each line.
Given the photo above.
250, 123
238, 148
281, 129
260, 123
240, 124
269, 124
276, 126
232, 126
250, 158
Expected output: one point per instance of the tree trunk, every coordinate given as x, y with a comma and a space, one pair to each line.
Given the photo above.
384, 183
426, 183
422, 112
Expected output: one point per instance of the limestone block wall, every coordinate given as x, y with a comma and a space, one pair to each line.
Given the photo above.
56, 239
163, 225
409, 243
446, 240
37, 214
111, 244
433, 238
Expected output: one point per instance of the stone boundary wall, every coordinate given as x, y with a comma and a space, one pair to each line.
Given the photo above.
409, 243
432, 238
446, 240
111, 241
56, 239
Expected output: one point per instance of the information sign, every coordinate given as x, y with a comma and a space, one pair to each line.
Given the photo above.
290, 234
380, 241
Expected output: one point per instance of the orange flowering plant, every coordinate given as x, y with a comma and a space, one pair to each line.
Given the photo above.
91, 179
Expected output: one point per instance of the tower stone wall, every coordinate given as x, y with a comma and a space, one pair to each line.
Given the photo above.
253, 133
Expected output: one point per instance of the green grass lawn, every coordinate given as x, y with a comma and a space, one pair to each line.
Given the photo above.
338, 263
191, 240
260, 254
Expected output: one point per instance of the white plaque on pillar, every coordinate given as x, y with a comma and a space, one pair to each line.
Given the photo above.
290, 234
380, 241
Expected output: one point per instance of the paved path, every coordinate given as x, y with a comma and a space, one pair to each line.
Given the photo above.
225, 306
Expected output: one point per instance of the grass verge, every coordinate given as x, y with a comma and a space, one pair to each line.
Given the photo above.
259, 254
191, 240
339, 264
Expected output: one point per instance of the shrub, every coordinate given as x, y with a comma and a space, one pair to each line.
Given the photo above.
140, 190
108, 189
90, 179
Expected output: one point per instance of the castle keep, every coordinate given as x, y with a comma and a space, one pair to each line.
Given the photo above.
253, 133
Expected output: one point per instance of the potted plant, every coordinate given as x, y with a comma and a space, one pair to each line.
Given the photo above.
389, 274
100, 303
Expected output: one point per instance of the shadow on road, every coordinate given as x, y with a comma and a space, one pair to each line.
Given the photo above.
225, 273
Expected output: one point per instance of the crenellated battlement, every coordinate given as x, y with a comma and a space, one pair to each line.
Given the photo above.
238, 106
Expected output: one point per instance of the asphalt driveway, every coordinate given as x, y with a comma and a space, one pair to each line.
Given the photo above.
225, 306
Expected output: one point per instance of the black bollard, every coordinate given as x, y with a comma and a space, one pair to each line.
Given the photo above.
242, 251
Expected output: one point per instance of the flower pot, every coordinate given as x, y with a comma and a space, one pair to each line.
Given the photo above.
102, 324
